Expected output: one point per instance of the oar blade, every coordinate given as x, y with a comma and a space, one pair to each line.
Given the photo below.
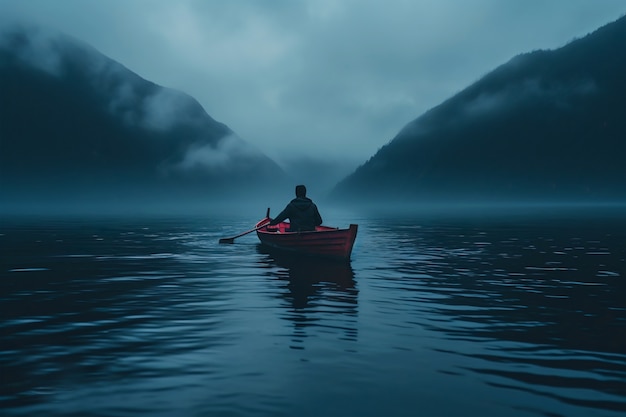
227, 240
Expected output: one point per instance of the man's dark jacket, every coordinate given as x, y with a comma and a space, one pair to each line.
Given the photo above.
302, 214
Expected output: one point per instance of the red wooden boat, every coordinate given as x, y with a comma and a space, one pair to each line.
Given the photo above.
325, 241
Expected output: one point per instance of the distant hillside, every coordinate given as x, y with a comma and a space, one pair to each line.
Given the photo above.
74, 123
546, 125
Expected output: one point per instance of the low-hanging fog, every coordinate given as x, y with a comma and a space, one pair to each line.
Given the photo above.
82, 130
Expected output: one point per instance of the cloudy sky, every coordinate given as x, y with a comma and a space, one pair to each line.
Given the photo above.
317, 78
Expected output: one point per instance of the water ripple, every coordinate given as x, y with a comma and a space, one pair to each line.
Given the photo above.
119, 317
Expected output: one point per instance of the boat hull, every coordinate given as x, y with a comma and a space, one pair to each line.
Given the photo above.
325, 241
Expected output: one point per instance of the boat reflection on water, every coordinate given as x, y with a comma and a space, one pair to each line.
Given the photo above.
320, 293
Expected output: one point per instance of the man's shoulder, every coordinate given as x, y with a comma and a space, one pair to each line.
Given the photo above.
301, 200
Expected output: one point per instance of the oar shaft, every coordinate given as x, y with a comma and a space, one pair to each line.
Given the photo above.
231, 239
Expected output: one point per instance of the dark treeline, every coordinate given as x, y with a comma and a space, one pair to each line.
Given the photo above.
75, 125
74, 122
546, 125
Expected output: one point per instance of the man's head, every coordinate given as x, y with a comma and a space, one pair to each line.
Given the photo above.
300, 191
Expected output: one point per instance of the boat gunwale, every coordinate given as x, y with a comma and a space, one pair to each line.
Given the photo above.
309, 242
285, 225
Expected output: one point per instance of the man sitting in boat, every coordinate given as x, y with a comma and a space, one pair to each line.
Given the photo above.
301, 211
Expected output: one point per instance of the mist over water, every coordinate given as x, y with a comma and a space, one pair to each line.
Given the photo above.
438, 313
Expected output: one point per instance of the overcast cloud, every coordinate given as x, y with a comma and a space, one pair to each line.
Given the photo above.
317, 78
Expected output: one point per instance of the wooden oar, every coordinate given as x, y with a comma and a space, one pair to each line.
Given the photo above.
232, 239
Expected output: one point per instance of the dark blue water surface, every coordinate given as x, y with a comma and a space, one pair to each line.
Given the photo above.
434, 316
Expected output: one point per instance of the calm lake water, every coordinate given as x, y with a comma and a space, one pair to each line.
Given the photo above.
434, 316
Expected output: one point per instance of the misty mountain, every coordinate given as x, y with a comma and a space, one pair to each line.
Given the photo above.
549, 124
74, 124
